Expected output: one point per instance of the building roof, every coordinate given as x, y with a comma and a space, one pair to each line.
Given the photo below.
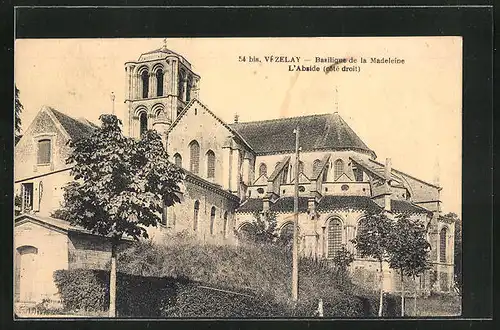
320, 132
329, 203
283, 204
74, 127
405, 207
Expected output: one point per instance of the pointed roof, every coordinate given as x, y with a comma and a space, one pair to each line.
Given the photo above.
319, 132
75, 128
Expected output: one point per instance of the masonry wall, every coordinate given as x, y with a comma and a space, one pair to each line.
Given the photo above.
52, 255
90, 252
180, 217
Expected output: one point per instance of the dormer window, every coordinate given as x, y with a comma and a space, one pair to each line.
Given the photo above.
44, 152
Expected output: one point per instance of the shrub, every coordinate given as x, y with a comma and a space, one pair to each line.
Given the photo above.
81, 289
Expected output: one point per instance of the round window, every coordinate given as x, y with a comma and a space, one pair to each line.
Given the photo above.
260, 190
344, 187
302, 188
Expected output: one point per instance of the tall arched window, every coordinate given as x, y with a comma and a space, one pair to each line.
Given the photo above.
442, 245
143, 121
196, 214
338, 168
159, 82
210, 164
262, 169
225, 224
194, 159
334, 237
145, 84
212, 220
178, 160
316, 165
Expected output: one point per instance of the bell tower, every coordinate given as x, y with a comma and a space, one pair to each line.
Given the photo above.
158, 87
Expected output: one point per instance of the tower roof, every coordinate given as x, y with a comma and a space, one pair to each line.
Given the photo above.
162, 53
319, 132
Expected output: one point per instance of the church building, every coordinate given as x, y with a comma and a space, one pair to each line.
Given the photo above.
234, 170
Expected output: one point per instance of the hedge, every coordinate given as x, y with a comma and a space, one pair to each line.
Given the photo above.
139, 296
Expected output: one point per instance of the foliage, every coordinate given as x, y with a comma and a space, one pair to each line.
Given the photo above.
80, 289
408, 248
120, 184
342, 260
373, 238
262, 229
18, 109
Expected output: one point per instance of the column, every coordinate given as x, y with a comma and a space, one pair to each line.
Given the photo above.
235, 182
246, 169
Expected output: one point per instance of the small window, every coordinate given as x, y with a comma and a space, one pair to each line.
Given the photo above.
210, 164
143, 120
159, 82
178, 160
27, 196
260, 190
262, 169
196, 214
316, 165
338, 168
212, 220
145, 84
44, 151
442, 244
194, 162
302, 189
344, 187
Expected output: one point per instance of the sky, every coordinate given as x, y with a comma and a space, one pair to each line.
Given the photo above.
411, 112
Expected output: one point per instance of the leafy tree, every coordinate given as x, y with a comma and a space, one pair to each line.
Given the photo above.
121, 186
342, 259
17, 116
408, 251
262, 229
372, 241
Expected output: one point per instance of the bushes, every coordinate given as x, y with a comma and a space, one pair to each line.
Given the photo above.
81, 289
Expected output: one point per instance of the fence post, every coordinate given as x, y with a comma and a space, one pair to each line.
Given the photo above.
320, 308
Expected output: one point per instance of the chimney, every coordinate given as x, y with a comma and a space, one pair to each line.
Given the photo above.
387, 196
236, 117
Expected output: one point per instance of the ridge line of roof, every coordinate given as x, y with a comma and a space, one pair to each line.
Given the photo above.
284, 118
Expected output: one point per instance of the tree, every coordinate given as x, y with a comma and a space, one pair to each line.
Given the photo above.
262, 229
372, 241
121, 186
17, 115
408, 251
342, 259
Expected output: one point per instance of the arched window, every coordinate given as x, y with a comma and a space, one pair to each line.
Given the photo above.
196, 213
338, 168
159, 82
316, 165
145, 84
178, 160
360, 229
334, 237
143, 122
194, 160
225, 224
212, 220
210, 164
188, 91
262, 169
246, 231
442, 244
44, 151
286, 232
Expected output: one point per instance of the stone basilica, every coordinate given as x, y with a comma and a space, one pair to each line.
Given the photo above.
234, 170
